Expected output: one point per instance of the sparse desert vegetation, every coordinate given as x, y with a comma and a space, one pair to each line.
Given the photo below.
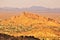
8, 37
29, 24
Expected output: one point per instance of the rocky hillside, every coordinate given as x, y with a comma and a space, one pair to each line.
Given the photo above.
31, 25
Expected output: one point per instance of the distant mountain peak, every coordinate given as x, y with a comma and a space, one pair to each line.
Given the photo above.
32, 9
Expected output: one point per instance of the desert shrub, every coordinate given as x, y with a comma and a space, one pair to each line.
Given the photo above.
8, 37
16, 29
27, 38
49, 19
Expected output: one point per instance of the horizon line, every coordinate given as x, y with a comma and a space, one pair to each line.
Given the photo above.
28, 7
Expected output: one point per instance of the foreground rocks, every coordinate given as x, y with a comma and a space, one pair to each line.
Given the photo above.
8, 37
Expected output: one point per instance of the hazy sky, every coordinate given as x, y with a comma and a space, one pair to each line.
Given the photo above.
29, 3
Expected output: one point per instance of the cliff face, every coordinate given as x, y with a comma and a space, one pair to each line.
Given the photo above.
31, 25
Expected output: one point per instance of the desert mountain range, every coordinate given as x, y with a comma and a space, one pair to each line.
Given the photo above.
31, 9
30, 24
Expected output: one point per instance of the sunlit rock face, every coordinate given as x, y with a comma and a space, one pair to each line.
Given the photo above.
30, 24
